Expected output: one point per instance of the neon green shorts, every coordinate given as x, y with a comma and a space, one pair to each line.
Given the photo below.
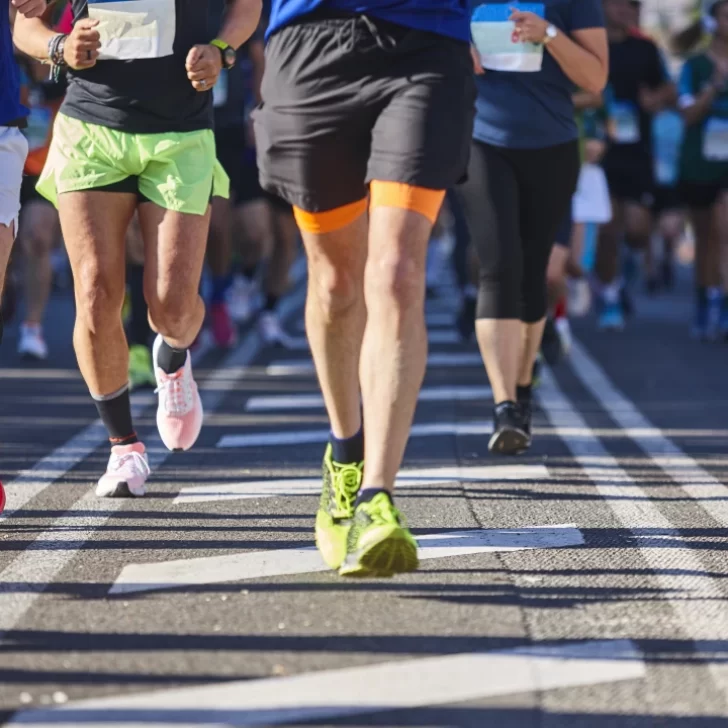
177, 171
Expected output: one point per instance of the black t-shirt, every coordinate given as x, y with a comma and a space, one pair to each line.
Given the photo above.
633, 63
148, 95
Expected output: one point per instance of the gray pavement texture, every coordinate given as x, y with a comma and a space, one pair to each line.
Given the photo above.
636, 461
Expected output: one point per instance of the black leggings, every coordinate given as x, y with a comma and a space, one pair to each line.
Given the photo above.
515, 201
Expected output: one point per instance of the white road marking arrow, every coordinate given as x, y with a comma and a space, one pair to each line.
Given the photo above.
157, 576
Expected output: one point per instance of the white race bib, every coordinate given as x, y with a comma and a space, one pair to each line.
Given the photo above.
715, 140
624, 122
591, 203
134, 29
220, 90
497, 42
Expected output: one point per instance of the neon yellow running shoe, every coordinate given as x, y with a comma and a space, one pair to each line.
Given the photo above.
341, 484
141, 372
379, 543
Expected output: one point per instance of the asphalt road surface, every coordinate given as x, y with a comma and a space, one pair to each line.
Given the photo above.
583, 584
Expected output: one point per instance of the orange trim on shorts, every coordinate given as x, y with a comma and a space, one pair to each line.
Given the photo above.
330, 220
406, 197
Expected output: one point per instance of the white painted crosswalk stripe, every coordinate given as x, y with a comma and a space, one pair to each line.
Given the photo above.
413, 683
429, 477
310, 437
316, 401
683, 470
304, 367
285, 562
632, 506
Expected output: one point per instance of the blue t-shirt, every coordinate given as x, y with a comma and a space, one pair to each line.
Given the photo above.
10, 107
526, 109
445, 17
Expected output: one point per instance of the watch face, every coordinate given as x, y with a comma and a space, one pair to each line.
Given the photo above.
229, 57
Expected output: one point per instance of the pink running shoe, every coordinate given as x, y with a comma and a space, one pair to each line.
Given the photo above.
179, 414
222, 326
126, 473
2, 498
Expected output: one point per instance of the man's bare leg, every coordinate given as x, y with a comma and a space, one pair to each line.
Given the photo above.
394, 350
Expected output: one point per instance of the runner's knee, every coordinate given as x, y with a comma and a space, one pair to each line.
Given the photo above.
99, 297
172, 311
336, 288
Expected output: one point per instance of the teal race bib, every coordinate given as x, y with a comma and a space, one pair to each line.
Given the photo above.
715, 140
624, 122
497, 42
134, 29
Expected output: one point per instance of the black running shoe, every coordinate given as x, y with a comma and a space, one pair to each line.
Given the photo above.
509, 436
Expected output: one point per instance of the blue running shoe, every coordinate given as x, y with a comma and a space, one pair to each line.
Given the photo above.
611, 318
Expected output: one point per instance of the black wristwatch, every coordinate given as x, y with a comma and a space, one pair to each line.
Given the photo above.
227, 53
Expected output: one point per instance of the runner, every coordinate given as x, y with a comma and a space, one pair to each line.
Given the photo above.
13, 145
134, 132
365, 106
39, 229
557, 332
523, 172
639, 89
704, 168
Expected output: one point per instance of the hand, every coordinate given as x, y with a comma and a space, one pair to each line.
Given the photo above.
203, 64
477, 62
82, 46
530, 27
30, 8
650, 100
594, 150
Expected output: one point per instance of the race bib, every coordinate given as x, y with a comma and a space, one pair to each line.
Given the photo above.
134, 29
497, 42
715, 140
220, 90
624, 123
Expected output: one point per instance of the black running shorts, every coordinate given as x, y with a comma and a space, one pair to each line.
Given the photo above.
631, 181
350, 99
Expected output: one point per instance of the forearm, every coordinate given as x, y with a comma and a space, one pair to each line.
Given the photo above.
32, 35
581, 66
700, 108
585, 100
240, 22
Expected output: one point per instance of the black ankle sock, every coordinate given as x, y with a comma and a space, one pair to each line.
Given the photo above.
170, 360
115, 413
523, 394
367, 494
139, 331
349, 449
271, 302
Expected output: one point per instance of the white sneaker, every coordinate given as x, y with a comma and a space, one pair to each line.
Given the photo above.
271, 330
242, 299
32, 344
126, 473
580, 297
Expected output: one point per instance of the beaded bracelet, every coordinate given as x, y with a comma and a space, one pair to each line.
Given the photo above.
56, 46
